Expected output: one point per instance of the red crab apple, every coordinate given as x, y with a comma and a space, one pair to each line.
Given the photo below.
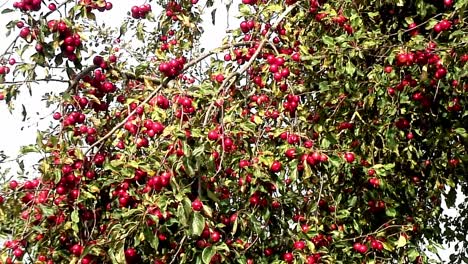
197, 205
13, 184
374, 182
360, 248
288, 257
377, 245
215, 236
18, 252
77, 249
276, 166
299, 245
349, 157
290, 153
131, 255
448, 3
213, 135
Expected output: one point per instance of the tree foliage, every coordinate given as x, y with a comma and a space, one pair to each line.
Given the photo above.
318, 132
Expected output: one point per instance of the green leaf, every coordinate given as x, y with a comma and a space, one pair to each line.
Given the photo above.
213, 16
462, 132
207, 254
198, 224
391, 212
75, 217
275, 8
151, 238
413, 254
401, 241
328, 40
244, 10
116, 253
387, 246
7, 10
350, 68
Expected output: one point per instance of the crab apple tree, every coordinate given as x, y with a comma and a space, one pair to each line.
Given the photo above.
316, 132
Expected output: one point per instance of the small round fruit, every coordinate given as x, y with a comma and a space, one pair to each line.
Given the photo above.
197, 205
349, 157
276, 166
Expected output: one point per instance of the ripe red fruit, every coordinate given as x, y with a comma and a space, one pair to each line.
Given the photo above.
112, 58
24, 32
254, 200
437, 28
244, 26
219, 78
349, 157
213, 135
402, 58
244, 163
308, 144
296, 57
356, 246
299, 245
448, 3
76, 250
445, 24
388, 69
57, 115
215, 236
288, 257
275, 204
87, 260
18, 252
290, 153
13, 184
377, 245
131, 255
374, 182
410, 136
454, 162
52, 7
197, 205
276, 166
362, 249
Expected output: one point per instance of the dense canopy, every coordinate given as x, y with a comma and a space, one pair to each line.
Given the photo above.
317, 132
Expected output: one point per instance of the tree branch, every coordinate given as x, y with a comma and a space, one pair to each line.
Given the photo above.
251, 61
80, 76
165, 83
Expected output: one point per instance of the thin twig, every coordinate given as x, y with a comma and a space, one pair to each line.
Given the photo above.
80, 76
36, 80
178, 250
425, 22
